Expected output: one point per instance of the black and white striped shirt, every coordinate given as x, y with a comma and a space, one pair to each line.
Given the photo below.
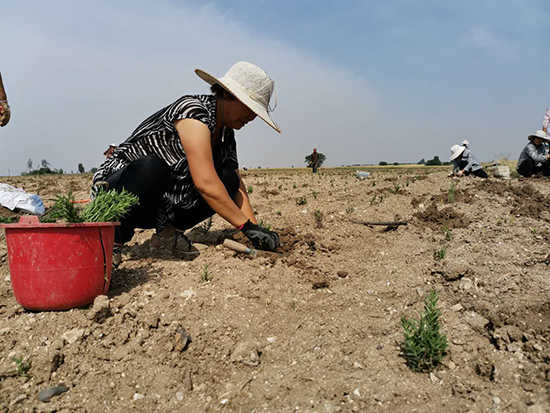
158, 136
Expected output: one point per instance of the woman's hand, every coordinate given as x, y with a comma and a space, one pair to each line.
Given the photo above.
261, 237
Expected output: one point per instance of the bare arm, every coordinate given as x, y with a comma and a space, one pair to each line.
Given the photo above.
195, 139
242, 200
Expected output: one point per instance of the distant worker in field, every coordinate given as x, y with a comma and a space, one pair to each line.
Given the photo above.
535, 158
465, 163
110, 150
315, 160
546, 120
182, 162
5, 110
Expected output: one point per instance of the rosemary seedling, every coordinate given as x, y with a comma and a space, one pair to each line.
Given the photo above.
424, 345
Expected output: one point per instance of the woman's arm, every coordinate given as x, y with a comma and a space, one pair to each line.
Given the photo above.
242, 200
195, 139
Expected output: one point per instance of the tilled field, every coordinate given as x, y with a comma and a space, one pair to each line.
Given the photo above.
318, 330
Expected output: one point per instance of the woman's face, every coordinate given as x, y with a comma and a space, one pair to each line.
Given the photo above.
537, 141
237, 114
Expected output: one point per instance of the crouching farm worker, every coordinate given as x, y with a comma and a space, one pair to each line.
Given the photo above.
465, 163
182, 162
534, 158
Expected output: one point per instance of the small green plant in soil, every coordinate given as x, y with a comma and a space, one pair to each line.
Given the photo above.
424, 345
314, 193
448, 235
395, 189
407, 183
439, 254
22, 365
350, 209
280, 187
318, 216
294, 186
373, 199
451, 194
205, 277
373, 183
249, 189
205, 227
278, 213
301, 201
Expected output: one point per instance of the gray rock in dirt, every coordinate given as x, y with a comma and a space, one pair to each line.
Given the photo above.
74, 335
246, 353
456, 308
182, 339
101, 309
466, 284
49, 392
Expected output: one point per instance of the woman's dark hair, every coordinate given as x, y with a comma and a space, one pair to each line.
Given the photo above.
220, 92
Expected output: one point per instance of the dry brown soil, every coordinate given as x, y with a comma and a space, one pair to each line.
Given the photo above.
318, 330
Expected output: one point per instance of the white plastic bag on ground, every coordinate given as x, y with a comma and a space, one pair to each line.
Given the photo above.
13, 198
362, 175
502, 172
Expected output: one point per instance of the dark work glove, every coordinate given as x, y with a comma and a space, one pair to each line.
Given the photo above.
261, 238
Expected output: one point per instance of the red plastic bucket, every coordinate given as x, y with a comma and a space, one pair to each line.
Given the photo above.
59, 266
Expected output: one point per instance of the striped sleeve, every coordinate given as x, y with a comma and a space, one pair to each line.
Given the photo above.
190, 108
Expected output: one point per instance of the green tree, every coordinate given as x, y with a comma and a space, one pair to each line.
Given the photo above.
434, 161
382, 163
81, 169
320, 162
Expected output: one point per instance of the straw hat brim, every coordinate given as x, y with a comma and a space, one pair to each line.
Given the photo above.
457, 153
531, 137
234, 88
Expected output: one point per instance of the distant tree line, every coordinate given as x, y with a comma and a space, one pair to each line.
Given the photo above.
431, 162
45, 168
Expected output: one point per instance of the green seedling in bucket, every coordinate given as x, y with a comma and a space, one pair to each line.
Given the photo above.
107, 206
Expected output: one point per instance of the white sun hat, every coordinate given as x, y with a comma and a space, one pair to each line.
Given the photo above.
113, 145
465, 142
248, 83
456, 151
539, 134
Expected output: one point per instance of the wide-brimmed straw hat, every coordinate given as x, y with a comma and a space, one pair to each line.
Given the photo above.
248, 83
456, 151
539, 134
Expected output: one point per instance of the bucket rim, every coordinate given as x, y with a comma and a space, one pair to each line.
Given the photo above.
33, 222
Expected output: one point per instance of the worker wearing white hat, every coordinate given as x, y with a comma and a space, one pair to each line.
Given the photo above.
182, 162
535, 158
465, 163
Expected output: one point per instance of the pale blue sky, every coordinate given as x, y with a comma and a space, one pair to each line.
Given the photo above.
363, 81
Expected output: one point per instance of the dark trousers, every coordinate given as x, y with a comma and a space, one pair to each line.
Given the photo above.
479, 173
149, 178
528, 169
315, 166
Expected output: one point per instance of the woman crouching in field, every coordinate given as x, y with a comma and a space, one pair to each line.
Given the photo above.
182, 162
534, 158
465, 163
